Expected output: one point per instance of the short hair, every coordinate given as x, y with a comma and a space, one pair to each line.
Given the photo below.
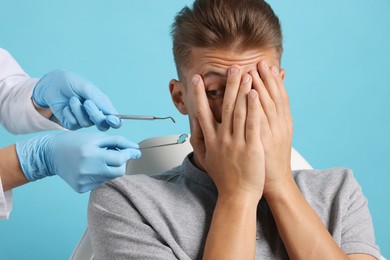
223, 24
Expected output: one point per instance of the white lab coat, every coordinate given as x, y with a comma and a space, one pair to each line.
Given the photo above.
17, 113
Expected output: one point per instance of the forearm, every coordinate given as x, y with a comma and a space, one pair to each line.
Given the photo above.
302, 232
232, 233
18, 113
10, 170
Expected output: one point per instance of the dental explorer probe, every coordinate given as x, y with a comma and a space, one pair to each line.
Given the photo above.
138, 117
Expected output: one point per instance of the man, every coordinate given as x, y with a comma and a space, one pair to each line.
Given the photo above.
235, 197
58, 100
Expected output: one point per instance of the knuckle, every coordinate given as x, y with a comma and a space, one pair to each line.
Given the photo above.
224, 142
239, 114
227, 107
251, 125
254, 149
278, 100
270, 107
200, 113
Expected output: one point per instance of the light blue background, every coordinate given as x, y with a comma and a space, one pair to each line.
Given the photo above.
337, 61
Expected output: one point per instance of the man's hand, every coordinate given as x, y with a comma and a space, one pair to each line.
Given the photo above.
74, 101
232, 154
276, 126
292, 214
231, 151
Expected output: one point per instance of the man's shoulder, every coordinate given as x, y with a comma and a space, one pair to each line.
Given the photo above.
314, 183
156, 179
323, 174
140, 185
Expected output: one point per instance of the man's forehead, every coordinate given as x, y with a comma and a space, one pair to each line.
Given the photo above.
215, 62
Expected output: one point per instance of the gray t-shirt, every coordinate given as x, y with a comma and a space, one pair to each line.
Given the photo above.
168, 216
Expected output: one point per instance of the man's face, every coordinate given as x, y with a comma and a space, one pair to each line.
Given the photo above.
212, 65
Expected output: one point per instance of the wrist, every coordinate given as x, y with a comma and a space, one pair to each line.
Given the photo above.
242, 199
44, 111
46, 153
33, 155
279, 187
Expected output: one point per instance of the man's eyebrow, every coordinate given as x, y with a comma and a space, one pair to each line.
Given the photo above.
214, 73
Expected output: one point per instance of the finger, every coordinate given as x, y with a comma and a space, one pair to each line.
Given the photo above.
229, 100
96, 116
110, 172
92, 181
79, 112
284, 95
268, 77
57, 109
114, 121
88, 182
115, 172
265, 127
90, 186
88, 91
266, 102
252, 127
203, 112
117, 158
116, 142
240, 110
197, 139
69, 121
104, 104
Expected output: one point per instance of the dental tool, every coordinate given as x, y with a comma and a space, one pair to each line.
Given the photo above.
181, 139
138, 117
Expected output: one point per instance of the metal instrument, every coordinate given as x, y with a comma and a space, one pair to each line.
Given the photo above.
181, 139
139, 117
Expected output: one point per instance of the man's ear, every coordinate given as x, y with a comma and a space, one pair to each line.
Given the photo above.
282, 73
177, 94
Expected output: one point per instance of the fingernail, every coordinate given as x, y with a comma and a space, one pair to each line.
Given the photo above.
275, 71
73, 99
195, 80
246, 79
113, 120
234, 71
252, 94
135, 154
265, 65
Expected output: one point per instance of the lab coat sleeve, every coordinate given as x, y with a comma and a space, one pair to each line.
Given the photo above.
17, 112
5, 202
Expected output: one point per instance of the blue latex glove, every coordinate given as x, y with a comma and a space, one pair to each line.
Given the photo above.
74, 101
83, 160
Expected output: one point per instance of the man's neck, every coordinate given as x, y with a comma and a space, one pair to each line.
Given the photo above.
195, 161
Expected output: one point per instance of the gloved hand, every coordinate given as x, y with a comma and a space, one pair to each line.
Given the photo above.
74, 101
83, 160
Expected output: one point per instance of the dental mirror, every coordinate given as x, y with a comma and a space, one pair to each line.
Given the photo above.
181, 139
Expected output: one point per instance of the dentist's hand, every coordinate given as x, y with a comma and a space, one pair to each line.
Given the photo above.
83, 160
74, 101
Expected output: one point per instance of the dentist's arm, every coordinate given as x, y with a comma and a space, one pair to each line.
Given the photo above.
11, 173
17, 112
83, 160
27, 103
